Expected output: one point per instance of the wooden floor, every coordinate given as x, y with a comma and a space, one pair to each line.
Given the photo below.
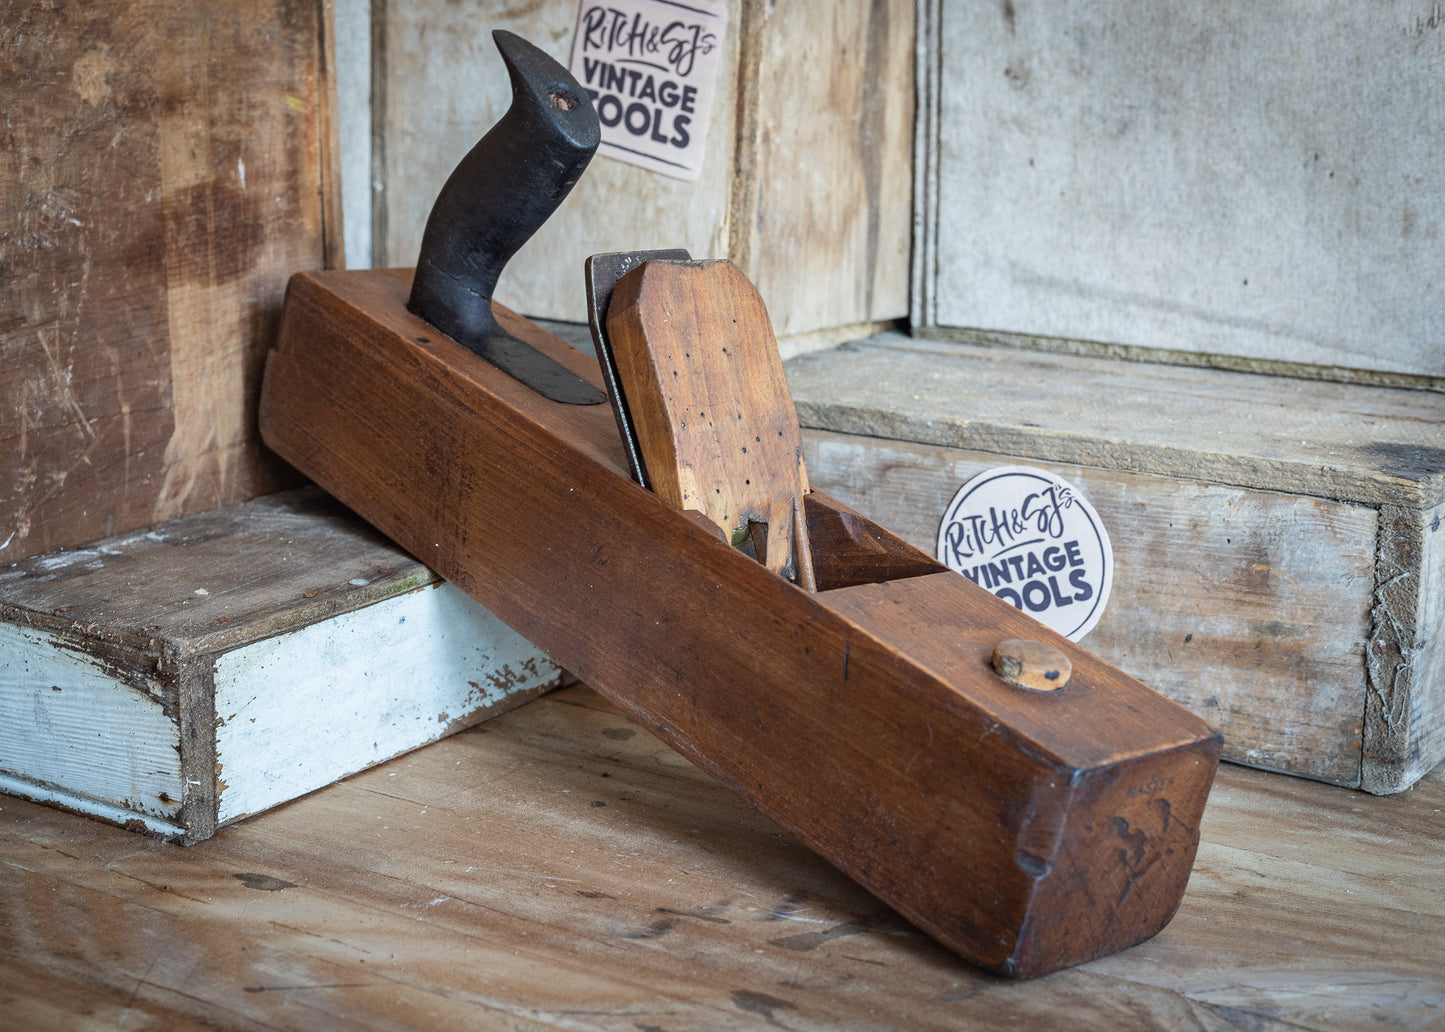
559, 868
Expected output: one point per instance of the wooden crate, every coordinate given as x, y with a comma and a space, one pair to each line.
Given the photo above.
1188, 187
1280, 557
178, 679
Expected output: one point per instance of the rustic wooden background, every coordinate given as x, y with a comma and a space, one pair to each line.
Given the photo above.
158, 196
1249, 183
807, 182
154, 196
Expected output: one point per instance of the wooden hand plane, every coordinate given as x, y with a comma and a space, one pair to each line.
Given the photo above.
856, 704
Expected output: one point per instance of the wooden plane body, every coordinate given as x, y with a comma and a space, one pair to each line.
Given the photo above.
1028, 831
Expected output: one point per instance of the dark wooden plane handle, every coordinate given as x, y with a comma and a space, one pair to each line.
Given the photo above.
495, 199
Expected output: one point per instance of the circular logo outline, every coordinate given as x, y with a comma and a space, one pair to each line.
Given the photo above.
1076, 497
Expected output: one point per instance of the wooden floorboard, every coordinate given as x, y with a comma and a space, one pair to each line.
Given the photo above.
560, 868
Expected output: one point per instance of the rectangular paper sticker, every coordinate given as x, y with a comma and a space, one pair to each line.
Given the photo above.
649, 67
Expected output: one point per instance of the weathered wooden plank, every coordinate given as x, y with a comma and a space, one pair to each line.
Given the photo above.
233, 576
1240, 182
368, 685
159, 195
73, 726
477, 883
1250, 607
223, 663
820, 217
805, 184
79, 1002
1355, 443
1406, 660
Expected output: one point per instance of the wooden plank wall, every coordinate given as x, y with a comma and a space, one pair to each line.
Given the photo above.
163, 169
808, 168
1251, 184
821, 213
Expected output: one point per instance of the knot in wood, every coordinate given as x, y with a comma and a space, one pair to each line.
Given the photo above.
1025, 663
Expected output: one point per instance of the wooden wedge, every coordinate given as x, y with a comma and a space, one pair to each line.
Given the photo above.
699, 367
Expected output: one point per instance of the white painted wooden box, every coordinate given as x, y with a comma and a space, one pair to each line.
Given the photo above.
177, 679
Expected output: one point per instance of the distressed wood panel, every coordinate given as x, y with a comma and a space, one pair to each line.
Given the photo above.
1249, 607
806, 180
363, 686
821, 217
163, 167
559, 867
444, 86
1406, 706
1429, 650
1372, 445
222, 663
1257, 181
71, 720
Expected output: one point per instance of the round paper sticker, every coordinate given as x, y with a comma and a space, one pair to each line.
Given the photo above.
1034, 541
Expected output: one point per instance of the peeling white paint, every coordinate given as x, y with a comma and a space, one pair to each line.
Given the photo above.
307, 708
300, 710
69, 726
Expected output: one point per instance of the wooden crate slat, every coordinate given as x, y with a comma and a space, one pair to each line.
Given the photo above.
1237, 186
1372, 445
